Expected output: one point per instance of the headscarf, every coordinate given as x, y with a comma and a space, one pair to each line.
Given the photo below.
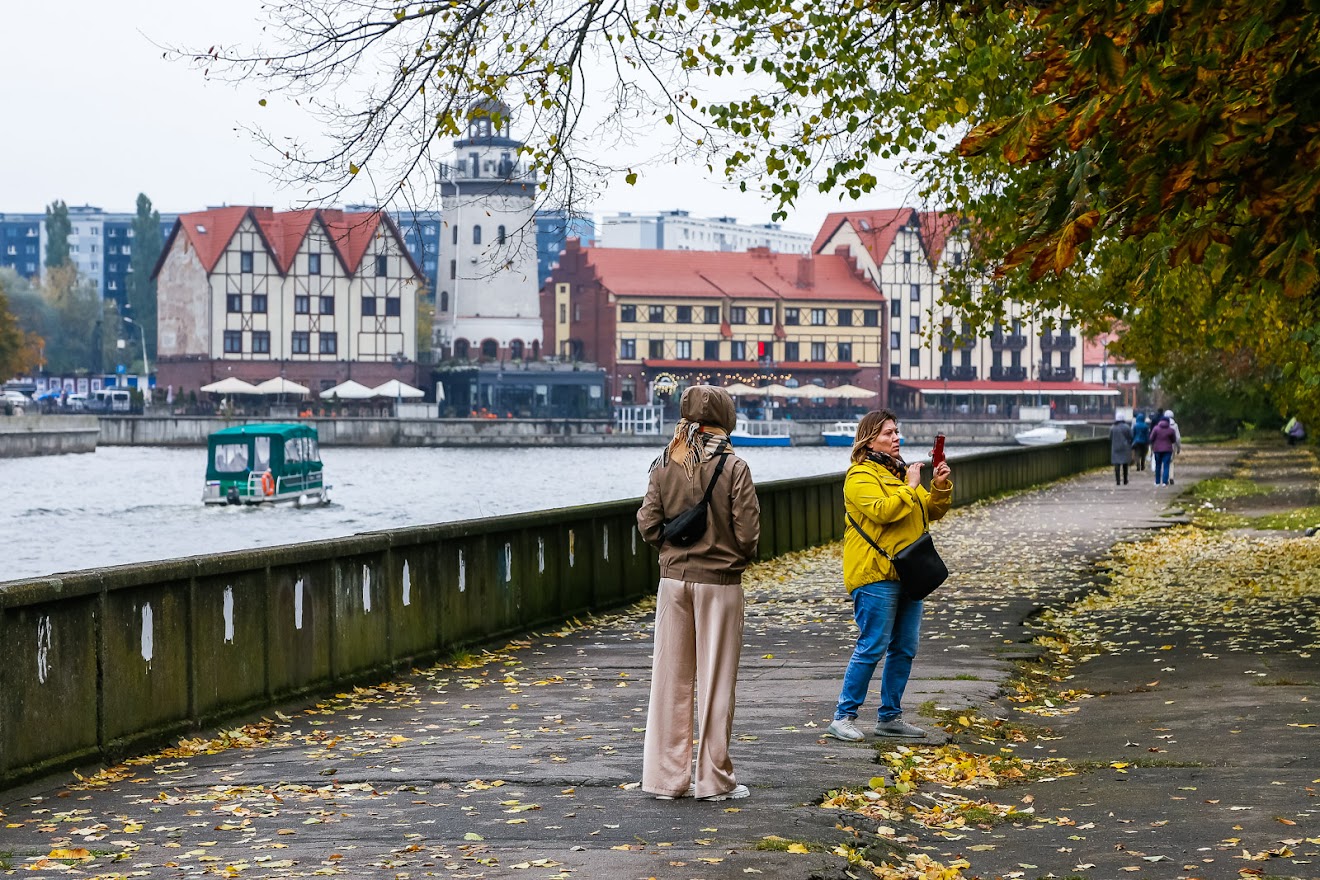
706, 415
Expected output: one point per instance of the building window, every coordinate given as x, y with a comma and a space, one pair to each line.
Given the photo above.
907, 256
368, 306
393, 306
818, 317
233, 342
655, 314
683, 350
313, 264
711, 350
683, 314
259, 303
500, 235
234, 302
845, 317
261, 342
791, 316
329, 343
737, 315
382, 265
738, 350
301, 343
245, 262
712, 314
453, 269
627, 314
655, 349
894, 341
326, 305
914, 357
765, 316
914, 292
455, 230
818, 351
791, 351
628, 349
895, 308
563, 313
845, 351
870, 317
302, 305
476, 235
895, 371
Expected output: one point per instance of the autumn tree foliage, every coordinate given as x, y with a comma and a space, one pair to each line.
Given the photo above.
1124, 161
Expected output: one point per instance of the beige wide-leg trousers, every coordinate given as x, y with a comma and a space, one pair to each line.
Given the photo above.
698, 637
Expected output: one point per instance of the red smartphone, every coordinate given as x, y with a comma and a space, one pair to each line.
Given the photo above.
937, 453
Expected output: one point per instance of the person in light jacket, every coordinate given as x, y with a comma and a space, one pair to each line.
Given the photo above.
699, 606
883, 495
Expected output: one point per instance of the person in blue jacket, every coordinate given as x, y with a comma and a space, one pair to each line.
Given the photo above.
1141, 440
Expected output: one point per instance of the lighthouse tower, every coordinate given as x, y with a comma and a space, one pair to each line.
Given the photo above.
487, 303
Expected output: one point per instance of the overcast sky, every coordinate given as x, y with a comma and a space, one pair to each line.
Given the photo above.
94, 115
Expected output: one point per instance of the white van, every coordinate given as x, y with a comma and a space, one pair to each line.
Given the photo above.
110, 400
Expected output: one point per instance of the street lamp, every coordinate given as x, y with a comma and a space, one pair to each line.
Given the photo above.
146, 366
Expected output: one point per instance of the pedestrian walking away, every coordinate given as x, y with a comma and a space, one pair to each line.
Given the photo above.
1120, 449
1163, 443
883, 495
1140, 441
1295, 431
699, 606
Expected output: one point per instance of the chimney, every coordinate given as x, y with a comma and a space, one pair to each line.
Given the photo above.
806, 272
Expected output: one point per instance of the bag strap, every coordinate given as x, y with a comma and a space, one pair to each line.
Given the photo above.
925, 527
710, 487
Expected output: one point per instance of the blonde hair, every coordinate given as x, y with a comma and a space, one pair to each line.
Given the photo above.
867, 430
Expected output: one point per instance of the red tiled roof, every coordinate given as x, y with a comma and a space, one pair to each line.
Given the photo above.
935, 229
876, 229
283, 233
989, 386
755, 274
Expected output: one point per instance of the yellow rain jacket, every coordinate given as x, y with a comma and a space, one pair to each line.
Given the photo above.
888, 509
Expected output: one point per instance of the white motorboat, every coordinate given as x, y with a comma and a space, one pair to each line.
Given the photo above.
1042, 435
842, 434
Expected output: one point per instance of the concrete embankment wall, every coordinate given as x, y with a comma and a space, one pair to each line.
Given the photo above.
47, 435
99, 663
193, 431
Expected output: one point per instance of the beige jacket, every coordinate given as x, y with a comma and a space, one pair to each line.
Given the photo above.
734, 518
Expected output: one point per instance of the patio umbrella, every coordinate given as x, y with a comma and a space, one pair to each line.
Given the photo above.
774, 389
230, 385
281, 385
349, 390
852, 392
737, 389
396, 389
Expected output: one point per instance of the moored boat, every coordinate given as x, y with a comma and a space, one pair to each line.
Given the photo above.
265, 464
748, 433
1042, 435
842, 434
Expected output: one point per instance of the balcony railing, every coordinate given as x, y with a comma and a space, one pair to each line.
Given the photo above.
1005, 342
1057, 342
1050, 373
1008, 374
958, 374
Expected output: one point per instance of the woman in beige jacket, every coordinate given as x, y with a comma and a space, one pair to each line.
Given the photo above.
699, 606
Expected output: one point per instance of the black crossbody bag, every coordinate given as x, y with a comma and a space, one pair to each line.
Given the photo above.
920, 568
687, 528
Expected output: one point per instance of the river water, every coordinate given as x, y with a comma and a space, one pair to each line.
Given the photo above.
134, 504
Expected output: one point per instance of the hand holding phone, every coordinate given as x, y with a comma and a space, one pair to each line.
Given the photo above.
937, 453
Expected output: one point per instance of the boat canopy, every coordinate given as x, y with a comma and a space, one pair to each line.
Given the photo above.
282, 449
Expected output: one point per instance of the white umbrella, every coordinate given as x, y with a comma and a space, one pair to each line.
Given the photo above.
396, 389
281, 385
230, 385
852, 392
738, 389
776, 390
349, 390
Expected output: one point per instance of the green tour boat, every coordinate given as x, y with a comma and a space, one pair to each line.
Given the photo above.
265, 464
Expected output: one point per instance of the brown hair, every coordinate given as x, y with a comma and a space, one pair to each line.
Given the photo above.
867, 430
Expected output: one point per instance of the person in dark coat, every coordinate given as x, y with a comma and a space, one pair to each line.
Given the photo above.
1163, 442
1140, 440
1120, 449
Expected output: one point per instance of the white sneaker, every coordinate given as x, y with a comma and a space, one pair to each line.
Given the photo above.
738, 791
899, 727
844, 729
691, 792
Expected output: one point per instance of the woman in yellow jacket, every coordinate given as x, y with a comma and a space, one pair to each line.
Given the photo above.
883, 495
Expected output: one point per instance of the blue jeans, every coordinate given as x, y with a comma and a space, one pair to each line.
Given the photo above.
889, 628
1162, 461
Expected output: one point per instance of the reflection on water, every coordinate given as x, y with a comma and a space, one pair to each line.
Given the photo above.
132, 504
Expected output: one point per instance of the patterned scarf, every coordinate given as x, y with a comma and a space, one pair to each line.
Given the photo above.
896, 466
690, 438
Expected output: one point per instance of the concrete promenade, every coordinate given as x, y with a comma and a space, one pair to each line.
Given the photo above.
523, 761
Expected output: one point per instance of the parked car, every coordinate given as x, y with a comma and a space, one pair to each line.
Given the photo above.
76, 402
13, 402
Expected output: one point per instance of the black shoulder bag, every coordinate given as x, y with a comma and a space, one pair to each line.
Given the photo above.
920, 569
687, 528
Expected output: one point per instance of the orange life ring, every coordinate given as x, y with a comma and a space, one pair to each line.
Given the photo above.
267, 483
